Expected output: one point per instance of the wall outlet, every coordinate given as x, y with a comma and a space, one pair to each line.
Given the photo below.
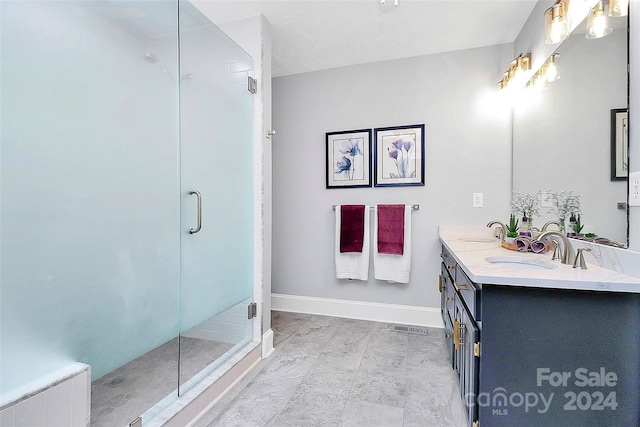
478, 200
634, 189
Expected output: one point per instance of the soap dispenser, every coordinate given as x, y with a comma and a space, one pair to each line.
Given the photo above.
525, 229
572, 223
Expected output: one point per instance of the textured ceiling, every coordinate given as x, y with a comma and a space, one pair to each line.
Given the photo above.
319, 34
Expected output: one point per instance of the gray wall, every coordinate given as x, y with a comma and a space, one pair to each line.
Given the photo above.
468, 149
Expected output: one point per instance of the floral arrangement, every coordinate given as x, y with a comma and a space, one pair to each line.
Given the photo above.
563, 204
526, 205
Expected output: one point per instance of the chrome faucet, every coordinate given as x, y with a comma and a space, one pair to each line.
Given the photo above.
502, 233
568, 256
548, 223
579, 262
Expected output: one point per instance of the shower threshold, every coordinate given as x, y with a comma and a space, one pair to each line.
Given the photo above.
171, 404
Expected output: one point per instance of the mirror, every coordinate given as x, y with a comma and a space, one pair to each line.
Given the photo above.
562, 136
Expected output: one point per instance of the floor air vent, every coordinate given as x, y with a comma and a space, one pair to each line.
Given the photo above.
410, 329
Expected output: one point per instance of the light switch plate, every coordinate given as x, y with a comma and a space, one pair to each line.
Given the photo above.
634, 189
478, 200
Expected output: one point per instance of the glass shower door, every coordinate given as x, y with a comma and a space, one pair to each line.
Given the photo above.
89, 177
216, 197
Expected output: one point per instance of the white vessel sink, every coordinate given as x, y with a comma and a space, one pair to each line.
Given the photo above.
520, 263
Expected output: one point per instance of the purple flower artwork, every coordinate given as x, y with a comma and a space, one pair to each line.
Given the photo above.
349, 163
401, 152
399, 156
348, 159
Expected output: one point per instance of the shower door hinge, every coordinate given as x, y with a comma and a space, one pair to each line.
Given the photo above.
136, 423
252, 311
252, 84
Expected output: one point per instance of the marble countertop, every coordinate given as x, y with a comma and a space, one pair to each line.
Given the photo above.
471, 257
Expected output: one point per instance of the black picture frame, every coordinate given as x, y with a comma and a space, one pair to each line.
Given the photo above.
399, 156
348, 159
619, 144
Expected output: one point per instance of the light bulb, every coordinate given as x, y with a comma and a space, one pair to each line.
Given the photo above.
539, 83
555, 24
597, 23
618, 8
551, 74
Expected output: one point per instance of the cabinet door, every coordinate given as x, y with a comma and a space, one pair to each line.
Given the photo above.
446, 308
448, 337
466, 342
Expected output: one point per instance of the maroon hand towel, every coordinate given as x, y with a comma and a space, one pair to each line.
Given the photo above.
351, 228
391, 229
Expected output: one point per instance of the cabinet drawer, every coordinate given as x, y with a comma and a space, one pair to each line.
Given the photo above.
447, 293
449, 263
469, 293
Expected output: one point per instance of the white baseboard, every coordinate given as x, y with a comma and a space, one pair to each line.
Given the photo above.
267, 344
378, 312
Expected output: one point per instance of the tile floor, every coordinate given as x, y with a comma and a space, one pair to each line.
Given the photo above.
329, 371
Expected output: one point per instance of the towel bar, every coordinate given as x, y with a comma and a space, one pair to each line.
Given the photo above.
415, 207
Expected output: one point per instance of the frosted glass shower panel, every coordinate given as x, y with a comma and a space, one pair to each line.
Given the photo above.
89, 184
217, 161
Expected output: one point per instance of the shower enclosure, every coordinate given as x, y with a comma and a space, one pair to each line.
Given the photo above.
127, 199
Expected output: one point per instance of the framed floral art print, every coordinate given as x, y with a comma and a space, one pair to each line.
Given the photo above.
619, 144
349, 159
399, 156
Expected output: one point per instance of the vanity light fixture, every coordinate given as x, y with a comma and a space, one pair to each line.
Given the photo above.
547, 73
550, 68
516, 74
597, 22
618, 8
539, 82
556, 23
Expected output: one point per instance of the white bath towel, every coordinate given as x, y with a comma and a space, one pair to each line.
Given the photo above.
393, 268
353, 265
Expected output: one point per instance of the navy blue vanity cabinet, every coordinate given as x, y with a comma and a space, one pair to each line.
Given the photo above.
530, 356
558, 357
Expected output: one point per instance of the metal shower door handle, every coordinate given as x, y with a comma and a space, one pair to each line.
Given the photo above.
199, 196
